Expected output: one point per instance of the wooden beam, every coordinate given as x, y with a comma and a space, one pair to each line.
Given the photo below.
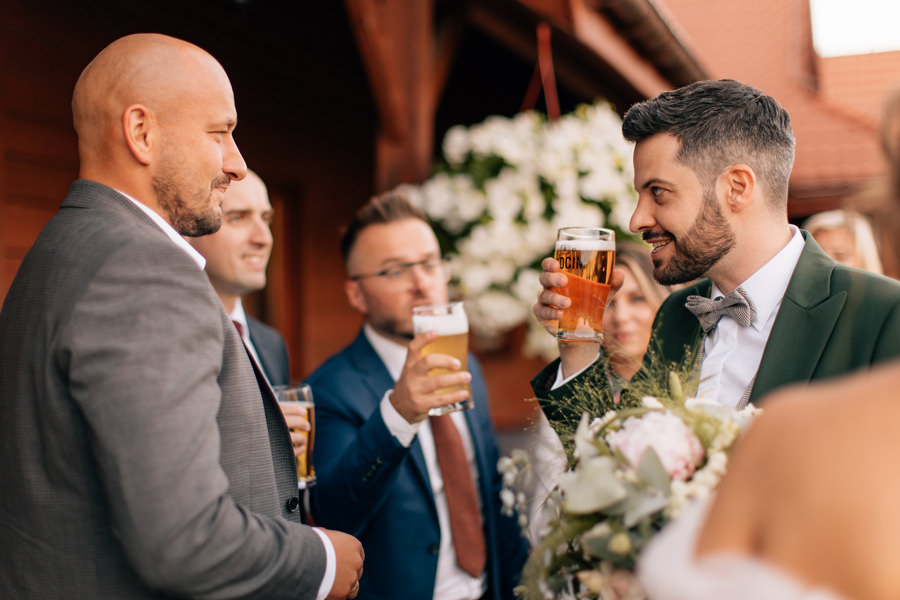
373, 29
407, 69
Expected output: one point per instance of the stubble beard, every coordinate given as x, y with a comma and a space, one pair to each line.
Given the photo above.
193, 223
708, 240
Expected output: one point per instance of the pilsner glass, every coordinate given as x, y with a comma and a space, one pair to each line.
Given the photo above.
586, 255
302, 395
452, 326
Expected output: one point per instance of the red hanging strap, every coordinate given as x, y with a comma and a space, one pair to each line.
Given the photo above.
544, 76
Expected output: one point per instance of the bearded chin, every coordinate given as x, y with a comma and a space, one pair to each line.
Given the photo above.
182, 219
200, 225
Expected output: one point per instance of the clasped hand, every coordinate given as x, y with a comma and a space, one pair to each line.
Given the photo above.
416, 392
574, 356
297, 421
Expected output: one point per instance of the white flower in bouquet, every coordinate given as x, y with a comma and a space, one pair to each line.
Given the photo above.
504, 188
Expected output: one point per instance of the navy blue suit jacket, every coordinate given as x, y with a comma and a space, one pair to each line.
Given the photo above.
375, 489
272, 351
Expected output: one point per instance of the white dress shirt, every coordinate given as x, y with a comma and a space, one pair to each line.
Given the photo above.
451, 582
330, 556
731, 353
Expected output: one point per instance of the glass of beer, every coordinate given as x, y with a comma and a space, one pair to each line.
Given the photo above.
302, 395
452, 326
586, 255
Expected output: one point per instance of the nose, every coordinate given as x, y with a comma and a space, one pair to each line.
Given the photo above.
419, 276
261, 233
232, 162
642, 218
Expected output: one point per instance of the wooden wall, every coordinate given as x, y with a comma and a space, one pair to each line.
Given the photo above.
307, 125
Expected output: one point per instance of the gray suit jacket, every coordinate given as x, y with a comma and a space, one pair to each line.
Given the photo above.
138, 456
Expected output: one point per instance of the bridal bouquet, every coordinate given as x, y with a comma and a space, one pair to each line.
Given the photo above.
634, 469
502, 190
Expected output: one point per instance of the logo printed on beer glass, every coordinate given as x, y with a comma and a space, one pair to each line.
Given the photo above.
452, 326
586, 255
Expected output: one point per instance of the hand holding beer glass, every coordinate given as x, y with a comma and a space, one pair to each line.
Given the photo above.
297, 400
450, 322
586, 255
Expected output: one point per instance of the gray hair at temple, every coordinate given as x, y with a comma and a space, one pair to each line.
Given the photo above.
720, 124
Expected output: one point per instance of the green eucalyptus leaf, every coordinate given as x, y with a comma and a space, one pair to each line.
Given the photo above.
648, 505
652, 472
592, 487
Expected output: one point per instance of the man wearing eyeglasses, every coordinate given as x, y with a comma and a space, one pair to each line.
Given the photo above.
379, 475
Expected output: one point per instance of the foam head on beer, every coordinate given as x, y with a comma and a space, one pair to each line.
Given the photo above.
452, 326
427, 318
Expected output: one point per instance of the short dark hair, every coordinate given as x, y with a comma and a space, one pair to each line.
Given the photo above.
385, 208
719, 124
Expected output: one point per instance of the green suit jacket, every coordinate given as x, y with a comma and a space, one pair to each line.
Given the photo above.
833, 320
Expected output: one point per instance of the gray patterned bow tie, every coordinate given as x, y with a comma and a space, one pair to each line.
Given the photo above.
736, 305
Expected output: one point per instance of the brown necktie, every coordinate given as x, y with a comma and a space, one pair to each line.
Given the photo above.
465, 518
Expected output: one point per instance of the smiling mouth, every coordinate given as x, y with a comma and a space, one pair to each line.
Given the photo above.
657, 240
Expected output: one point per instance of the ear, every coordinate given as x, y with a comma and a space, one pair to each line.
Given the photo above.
139, 129
737, 185
355, 296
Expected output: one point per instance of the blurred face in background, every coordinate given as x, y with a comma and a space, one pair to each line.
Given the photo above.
627, 324
237, 255
393, 267
839, 244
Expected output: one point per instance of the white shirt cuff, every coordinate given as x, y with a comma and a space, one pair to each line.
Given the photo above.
561, 381
400, 428
330, 566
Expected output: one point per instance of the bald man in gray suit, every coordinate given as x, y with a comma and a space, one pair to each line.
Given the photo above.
140, 456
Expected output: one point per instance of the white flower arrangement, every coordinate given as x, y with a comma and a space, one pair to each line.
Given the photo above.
504, 188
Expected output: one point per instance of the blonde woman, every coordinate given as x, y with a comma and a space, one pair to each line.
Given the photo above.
847, 237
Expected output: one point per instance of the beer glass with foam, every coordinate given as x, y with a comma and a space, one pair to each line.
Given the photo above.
302, 395
586, 255
452, 326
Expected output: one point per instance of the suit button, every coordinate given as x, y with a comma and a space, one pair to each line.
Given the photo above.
293, 504
434, 549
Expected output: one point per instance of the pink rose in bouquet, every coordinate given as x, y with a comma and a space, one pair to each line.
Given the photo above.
678, 448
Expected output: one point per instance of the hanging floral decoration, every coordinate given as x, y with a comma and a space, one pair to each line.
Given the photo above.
500, 193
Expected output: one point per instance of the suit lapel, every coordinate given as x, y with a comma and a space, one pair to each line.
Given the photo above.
676, 330
804, 323
267, 361
376, 377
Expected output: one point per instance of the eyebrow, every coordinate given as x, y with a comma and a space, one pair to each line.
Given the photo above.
393, 259
653, 181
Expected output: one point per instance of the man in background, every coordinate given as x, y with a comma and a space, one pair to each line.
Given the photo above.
236, 259
138, 448
380, 458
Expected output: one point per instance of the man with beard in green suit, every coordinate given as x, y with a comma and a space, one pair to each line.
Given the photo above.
712, 162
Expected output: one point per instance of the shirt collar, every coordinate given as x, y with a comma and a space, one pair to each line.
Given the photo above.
392, 354
766, 287
238, 315
169, 231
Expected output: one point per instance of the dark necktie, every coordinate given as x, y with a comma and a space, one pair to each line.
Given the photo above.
462, 501
239, 328
737, 305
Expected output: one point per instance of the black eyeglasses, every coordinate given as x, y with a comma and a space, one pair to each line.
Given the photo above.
432, 267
